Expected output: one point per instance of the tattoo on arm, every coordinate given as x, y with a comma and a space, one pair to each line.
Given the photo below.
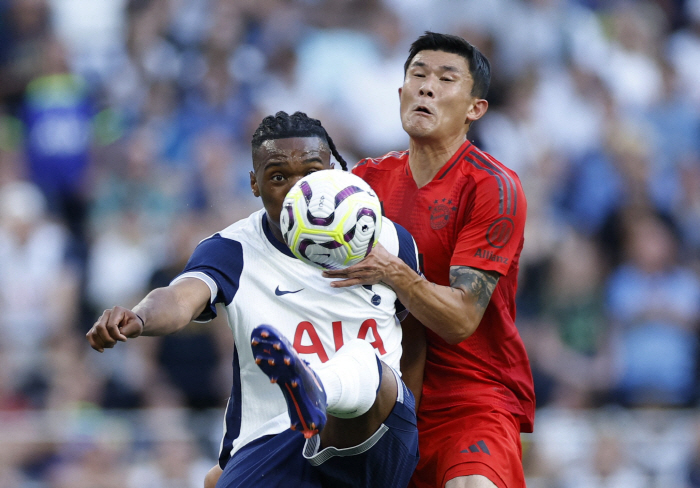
476, 282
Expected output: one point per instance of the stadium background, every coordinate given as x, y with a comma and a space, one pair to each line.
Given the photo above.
124, 140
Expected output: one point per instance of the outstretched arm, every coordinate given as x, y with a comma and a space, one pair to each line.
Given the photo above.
453, 312
163, 311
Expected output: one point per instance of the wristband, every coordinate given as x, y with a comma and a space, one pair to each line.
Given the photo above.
143, 324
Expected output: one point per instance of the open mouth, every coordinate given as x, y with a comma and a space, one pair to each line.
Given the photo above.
423, 110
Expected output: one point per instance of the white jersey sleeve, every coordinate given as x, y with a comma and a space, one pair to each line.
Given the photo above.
218, 262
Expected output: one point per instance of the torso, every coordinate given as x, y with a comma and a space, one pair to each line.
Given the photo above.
268, 285
471, 214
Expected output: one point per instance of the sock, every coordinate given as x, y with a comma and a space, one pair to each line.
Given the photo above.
351, 379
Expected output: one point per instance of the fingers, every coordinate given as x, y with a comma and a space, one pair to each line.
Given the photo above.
335, 273
131, 329
358, 270
353, 272
107, 330
355, 275
95, 336
114, 324
346, 283
340, 273
369, 271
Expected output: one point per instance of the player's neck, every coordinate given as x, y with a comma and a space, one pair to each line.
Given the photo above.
426, 157
275, 230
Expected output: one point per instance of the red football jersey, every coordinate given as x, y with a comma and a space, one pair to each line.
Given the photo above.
471, 214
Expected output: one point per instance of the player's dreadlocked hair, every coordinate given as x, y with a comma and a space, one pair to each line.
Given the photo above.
283, 125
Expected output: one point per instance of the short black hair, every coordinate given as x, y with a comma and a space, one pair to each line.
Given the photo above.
283, 126
479, 66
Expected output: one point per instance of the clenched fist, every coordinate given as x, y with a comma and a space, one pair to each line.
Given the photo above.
116, 324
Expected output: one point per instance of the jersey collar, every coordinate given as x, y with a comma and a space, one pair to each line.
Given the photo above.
458, 155
280, 246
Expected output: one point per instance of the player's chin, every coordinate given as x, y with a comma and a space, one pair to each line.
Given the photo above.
418, 129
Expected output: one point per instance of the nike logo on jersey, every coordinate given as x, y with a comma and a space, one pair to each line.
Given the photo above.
279, 292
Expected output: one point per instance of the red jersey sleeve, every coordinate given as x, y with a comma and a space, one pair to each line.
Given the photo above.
360, 168
493, 233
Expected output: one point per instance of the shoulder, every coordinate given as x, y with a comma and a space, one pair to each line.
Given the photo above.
399, 242
217, 251
244, 229
226, 246
219, 240
389, 161
389, 236
488, 170
493, 182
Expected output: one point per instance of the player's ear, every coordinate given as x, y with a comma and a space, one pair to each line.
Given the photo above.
400, 90
477, 110
254, 185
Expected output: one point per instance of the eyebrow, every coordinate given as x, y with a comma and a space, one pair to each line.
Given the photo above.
271, 164
447, 67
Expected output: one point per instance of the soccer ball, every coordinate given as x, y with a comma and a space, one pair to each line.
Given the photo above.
331, 219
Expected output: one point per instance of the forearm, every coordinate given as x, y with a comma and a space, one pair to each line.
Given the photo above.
449, 312
163, 312
453, 312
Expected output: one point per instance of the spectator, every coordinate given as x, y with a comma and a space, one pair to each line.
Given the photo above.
571, 347
653, 302
38, 288
57, 114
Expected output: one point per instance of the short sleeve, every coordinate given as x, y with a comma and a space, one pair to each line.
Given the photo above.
491, 237
218, 262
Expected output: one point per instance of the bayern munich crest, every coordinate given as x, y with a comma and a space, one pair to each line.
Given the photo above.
440, 213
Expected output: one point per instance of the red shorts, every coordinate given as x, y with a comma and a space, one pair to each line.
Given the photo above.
467, 440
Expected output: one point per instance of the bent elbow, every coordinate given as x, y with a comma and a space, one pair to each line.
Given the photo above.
459, 334
453, 339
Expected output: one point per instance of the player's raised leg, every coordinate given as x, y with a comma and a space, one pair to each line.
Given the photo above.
347, 392
361, 391
369, 416
306, 398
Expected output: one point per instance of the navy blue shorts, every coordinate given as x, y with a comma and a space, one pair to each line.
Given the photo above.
385, 460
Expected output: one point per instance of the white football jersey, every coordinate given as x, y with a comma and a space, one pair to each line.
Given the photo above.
259, 281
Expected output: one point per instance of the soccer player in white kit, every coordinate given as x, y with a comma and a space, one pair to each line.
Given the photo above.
324, 361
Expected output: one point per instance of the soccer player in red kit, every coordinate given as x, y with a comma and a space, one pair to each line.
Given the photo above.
467, 213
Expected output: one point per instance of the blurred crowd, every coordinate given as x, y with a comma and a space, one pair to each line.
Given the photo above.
125, 132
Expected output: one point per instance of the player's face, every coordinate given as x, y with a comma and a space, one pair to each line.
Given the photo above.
279, 163
436, 100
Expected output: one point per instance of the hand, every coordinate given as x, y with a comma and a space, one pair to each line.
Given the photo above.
116, 324
369, 271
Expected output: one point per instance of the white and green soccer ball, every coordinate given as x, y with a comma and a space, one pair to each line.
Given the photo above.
331, 219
